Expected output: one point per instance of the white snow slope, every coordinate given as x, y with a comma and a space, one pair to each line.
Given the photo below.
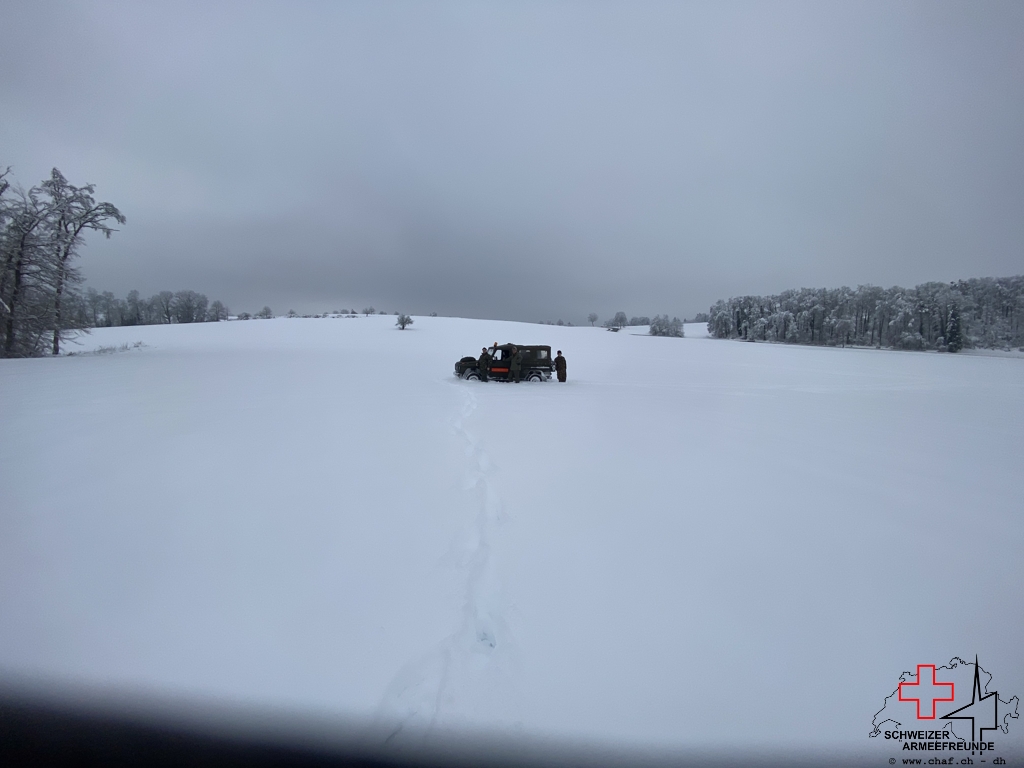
691, 543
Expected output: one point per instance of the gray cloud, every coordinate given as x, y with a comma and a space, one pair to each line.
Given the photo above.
526, 161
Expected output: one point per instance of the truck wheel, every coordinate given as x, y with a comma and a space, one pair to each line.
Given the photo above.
472, 376
535, 377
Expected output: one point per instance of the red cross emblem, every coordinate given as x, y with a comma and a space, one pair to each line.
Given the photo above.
926, 691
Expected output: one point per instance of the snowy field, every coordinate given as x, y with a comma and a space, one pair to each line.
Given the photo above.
691, 544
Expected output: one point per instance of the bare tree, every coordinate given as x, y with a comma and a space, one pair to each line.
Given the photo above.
136, 314
72, 211
403, 321
619, 321
114, 311
190, 307
217, 312
592, 317
163, 304
93, 306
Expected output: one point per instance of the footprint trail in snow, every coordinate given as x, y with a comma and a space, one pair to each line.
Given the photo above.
461, 674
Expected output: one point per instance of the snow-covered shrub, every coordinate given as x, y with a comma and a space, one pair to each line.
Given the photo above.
909, 340
662, 326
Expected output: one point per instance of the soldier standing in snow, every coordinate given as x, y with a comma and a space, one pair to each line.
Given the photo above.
515, 364
560, 366
484, 364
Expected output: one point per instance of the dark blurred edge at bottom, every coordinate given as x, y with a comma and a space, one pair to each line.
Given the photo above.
34, 733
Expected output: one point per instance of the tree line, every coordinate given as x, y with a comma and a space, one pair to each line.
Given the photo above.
980, 312
41, 232
660, 325
99, 310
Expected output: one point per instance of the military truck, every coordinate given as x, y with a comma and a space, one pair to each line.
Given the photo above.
537, 364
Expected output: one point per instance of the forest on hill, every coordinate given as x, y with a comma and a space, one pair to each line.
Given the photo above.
981, 312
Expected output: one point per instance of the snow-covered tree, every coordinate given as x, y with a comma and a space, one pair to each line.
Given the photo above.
163, 302
73, 210
403, 321
954, 336
41, 232
619, 321
989, 310
217, 312
662, 326
22, 270
189, 307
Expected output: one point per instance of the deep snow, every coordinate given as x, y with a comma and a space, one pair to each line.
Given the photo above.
690, 543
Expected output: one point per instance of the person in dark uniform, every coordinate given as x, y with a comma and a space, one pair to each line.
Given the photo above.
515, 364
484, 364
560, 366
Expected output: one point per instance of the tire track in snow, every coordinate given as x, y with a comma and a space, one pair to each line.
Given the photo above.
427, 689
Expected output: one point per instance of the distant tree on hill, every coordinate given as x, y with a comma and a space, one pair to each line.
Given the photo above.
189, 307
139, 310
592, 318
217, 312
369, 311
403, 321
642, 320
265, 314
163, 304
619, 321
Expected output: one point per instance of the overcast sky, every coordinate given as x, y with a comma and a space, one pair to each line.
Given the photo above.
520, 160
